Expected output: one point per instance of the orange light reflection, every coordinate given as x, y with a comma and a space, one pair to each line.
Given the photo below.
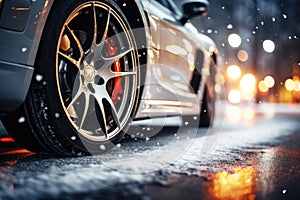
9, 178
6, 139
239, 184
17, 151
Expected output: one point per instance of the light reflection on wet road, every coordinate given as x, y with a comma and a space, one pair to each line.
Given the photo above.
256, 156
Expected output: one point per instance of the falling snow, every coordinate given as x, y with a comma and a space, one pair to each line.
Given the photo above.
283, 191
21, 120
24, 49
38, 77
229, 26
102, 147
285, 16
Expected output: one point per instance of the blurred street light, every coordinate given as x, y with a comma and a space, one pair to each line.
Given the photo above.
297, 86
242, 55
269, 81
263, 89
268, 46
234, 71
289, 85
248, 83
234, 40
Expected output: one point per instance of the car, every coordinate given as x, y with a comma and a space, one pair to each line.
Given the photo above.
75, 74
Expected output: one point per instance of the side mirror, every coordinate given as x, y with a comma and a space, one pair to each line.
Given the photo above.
194, 8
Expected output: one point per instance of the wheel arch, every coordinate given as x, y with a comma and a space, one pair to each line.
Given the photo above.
135, 15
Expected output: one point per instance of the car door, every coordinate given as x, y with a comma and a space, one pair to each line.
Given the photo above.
174, 53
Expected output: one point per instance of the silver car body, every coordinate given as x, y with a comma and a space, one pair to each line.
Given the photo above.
174, 52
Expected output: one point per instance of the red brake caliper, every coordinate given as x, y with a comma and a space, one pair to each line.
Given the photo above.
118, 89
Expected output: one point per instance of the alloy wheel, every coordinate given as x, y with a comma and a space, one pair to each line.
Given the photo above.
96, 71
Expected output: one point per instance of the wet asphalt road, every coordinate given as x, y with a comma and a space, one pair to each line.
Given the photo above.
252, 152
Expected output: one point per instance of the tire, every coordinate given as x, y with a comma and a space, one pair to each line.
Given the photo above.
207, 110
206, 115
86, 82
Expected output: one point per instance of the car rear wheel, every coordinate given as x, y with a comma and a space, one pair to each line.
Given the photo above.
206, 116
207, 110
85, 89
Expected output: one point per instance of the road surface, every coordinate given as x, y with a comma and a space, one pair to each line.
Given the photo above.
252, 152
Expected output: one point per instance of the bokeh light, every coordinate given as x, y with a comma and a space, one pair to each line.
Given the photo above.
234, 40
269, 81
289, 84
269, 46
248, 82
242, 55
263, 89
234, 71
297, 86
234, 96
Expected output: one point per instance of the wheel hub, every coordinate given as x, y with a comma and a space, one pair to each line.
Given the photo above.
89, 73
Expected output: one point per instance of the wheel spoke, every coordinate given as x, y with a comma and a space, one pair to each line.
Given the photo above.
118, 56
108, 61
70, 108
101, 91
113, 108
70, 59
103, 120
76, 41
86, 108
95, 32
106, 27
98, 47
111, 74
